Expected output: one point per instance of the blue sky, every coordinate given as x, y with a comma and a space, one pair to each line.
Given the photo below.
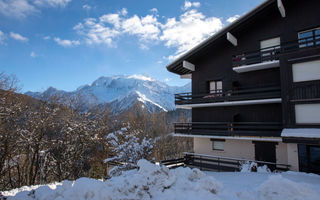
69, 43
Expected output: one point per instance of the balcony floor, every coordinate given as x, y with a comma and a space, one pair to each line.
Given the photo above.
257, 66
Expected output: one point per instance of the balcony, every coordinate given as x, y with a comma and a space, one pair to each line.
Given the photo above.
269, 57
270, 94
231, 129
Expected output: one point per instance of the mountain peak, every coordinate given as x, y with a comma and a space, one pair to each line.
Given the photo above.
122, 92
141, 77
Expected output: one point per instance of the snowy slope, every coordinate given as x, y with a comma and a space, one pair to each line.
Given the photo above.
122, 92
153, 182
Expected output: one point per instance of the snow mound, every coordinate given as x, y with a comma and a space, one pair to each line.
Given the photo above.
252, 166
277, 187
148, 182
156, 182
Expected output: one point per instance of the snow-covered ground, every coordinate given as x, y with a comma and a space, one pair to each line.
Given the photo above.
155, 182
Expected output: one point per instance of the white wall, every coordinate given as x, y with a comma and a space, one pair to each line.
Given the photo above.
306, 71
293, 159
244, 149
281, 153
233, 148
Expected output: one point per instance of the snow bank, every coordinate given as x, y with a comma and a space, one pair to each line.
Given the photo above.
250, 166
149, 182
277, 187
159, 183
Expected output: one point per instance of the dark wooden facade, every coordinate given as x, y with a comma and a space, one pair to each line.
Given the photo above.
215, 60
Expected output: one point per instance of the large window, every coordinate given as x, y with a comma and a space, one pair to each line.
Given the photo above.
215, 87
309, 37
309, 158
307, 113
306, 71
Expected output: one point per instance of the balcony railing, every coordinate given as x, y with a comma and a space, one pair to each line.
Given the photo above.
273, 53
232, 95
268, 129
307, 90
218, 163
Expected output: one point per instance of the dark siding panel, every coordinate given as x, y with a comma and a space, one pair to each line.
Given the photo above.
215, 62
252, 113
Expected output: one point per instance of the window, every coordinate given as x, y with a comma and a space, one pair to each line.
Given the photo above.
309, 158
215, 87
307, 113
309, 38
306, 71
217, 144
270, 48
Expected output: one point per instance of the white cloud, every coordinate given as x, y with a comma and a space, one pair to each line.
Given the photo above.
24, 8
143, 46
96, 32
105, 29
113, 19
182, 33
33, 54
124, 11
191, 28
18, 37
147, 28
17, 8
86, 7
233, 18
167, 79
2, 37
47, 37
52, 3
154, 10
188, 4
66, 43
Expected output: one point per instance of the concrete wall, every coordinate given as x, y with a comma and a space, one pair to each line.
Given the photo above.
293, 159
232, 148
281, 153
244, 149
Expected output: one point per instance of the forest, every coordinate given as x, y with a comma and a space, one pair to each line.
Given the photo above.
47, 141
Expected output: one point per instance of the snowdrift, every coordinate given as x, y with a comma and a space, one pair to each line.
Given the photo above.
158, 182
149, 182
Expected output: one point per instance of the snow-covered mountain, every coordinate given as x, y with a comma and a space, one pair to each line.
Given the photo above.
120, 93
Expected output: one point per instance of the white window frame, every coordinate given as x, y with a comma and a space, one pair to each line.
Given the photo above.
307, 113
217, 145
215, 86
314, 36
274, 44
306, 71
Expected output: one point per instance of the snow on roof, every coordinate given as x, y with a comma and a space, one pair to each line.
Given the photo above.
301, 132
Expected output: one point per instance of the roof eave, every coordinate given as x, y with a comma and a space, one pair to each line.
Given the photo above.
217, 35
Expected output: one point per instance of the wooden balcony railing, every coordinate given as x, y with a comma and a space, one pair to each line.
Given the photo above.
306, 90
273, 53
267, 129
232, 95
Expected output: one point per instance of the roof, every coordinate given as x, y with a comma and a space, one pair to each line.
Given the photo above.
176, 65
